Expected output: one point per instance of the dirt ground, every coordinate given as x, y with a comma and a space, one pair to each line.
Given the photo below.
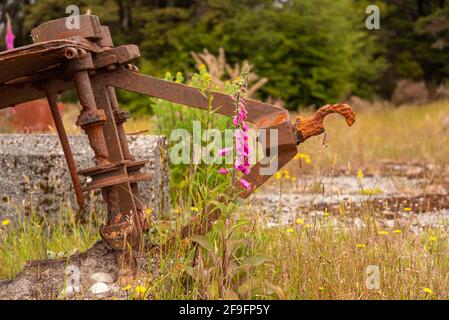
410, 192
91, 275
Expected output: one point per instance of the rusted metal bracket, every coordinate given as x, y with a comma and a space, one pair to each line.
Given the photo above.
85, 60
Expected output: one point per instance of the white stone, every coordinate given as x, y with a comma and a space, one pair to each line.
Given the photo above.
99, 288
102, 277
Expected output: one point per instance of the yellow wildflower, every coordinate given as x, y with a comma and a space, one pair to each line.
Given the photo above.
427, 290
6, 222
326, 214
128, 287
303, 156
148, 211
397, 231
194, 209
290, 230
382, 233
321, 288
141, 289
407, 209
361, 245
299, 221
433, 238
178, 211
278, 175
359, 174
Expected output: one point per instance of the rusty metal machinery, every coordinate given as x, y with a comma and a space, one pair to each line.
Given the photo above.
85, 59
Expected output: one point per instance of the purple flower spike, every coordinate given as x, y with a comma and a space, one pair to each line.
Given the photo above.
9, 37
223, 152
245, 184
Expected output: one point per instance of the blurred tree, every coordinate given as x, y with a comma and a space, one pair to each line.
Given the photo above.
416, 37
311, 51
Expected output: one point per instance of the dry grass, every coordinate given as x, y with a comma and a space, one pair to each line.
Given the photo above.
318, 261
405, 134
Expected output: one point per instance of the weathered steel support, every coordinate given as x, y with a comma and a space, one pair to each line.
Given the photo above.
121, 117
126, 204
91, 119
67, 151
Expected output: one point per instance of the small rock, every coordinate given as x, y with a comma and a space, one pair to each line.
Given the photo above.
99, 288
102, 277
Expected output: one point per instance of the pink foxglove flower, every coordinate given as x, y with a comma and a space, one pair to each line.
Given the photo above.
245, 184
223, 152
223, 171
9, 38
241, 134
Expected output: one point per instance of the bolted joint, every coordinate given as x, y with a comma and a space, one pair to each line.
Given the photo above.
91, 118
121, 116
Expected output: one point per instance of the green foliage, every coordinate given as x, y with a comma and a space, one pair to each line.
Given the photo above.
227, 264
311, 51
416, 39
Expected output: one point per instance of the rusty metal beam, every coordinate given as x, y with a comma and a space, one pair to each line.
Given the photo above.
51, 98
258, 112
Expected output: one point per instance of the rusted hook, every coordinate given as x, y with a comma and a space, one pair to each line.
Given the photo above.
308, 127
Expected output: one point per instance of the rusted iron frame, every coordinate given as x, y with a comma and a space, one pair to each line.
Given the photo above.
28, 86
115, 165
51, 98
117, 177
123, 199
91, 119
